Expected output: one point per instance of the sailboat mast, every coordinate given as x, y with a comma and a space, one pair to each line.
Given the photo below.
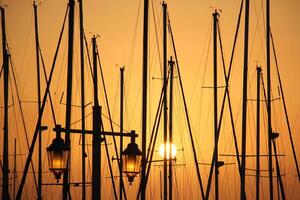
215, 78
66, 186
245, 90
144, 98
5, 189
96, 168
165, 107
171, 63
269, 98
258, 69
39, 102
121, 130
82, 98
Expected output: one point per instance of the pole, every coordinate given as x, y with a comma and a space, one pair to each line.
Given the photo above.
82, 98
215, 78
258, 131
269, 98
144, 99
245, 89
171, 62
121, 129
66, 186
39, 102
96, 168
165, 108
5, 189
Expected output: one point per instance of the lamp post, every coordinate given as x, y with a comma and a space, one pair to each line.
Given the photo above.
58, 153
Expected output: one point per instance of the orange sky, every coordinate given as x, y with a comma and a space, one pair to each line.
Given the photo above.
119, 24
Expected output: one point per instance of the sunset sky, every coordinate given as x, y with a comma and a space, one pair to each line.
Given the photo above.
119, 26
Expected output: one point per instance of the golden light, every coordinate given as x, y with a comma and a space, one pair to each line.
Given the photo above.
58, 156
162, 150
131, 158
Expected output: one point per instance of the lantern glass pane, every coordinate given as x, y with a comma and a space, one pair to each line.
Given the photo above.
57, 161
131, 165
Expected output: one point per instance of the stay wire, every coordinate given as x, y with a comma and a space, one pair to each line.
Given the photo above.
22, 115
110, 119
45, 76
285, 108
227, 81
31, 149
186, 110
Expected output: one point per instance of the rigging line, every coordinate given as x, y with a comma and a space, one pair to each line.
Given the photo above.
132, 45
207, 39
88, 55
156, 36
22, 115
257, 28
186, 110
153, 137
109, 164
278, 172
229, 101
109, 114
235, 39
156, 125
275, 152
17, 128
1, 70
228, 78
222, 110
103, 115
116, 99
156, 121
28, 161
284, 105
176, 183
50, 98
201, 101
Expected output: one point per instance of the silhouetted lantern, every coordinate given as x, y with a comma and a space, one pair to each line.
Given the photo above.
131, 158
58, 156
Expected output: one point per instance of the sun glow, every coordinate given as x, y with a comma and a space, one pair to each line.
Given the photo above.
162, 150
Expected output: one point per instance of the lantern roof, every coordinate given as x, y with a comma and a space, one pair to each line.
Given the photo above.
132, 149
58, 144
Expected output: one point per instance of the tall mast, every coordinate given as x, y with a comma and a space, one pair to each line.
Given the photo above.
171, 62
5, 188
165, 107
66, 186
144, 98
39, 102
82, 98
121, 130
96, 168
215, 78
258, 131
245, 89
269, 98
